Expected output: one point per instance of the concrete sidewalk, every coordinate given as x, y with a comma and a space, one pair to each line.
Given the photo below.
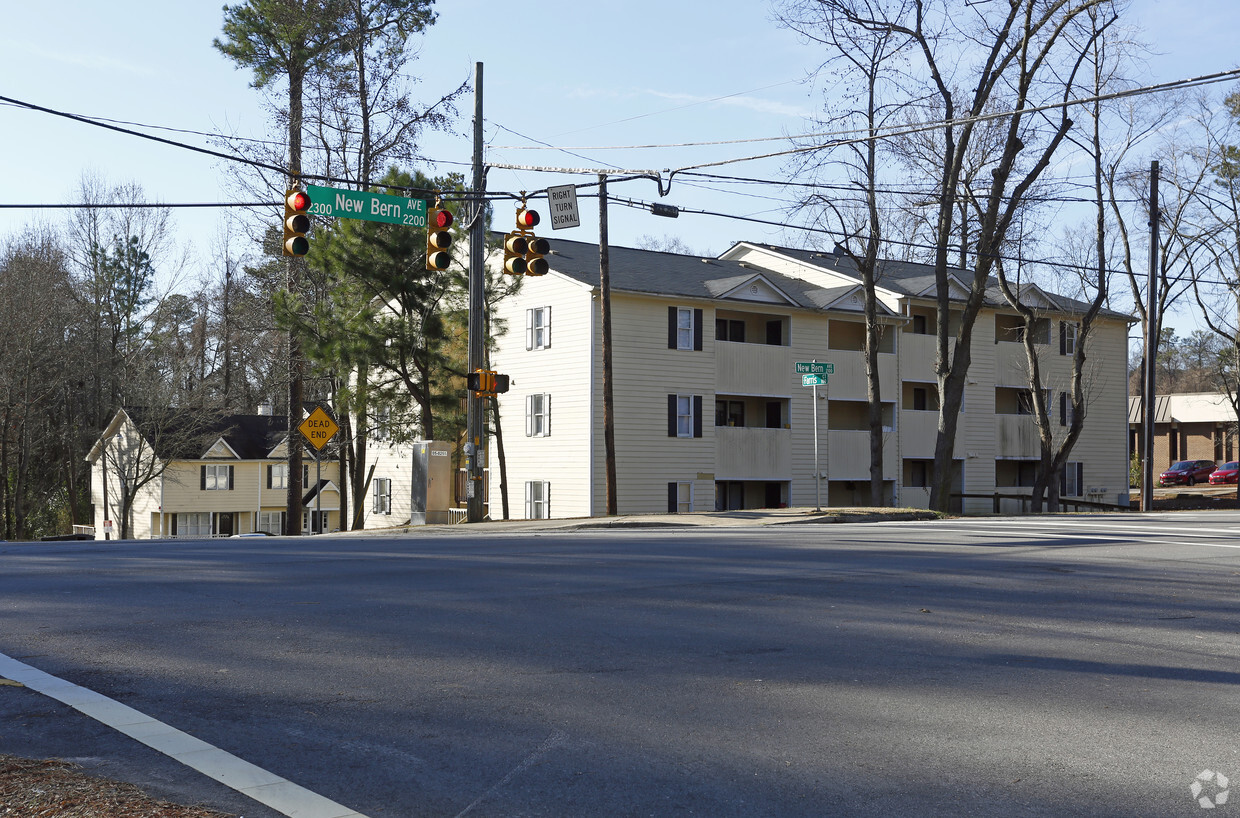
745, 518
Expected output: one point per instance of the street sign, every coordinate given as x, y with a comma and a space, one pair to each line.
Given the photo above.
813, 380
319, 428
563, 203
814, 368
369, 207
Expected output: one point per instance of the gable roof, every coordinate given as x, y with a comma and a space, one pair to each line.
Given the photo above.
183, 434
655, 272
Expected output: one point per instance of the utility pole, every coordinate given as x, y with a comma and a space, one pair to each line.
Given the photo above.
475, 419
1151, 351
609, 415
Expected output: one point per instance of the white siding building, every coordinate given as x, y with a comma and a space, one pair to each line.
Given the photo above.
710, 414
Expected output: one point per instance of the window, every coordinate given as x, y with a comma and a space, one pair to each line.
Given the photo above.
277, 476
679, 498
1065, 409
216, 477
684, 415
1067, 337
271, 521
538, 328
537, 415
1072, 480
919, 325
382, 490
193, 524
537, 500
919, 399
684, 328
381, 429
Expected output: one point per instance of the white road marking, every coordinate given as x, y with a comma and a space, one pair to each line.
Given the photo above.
264, 787
554, 740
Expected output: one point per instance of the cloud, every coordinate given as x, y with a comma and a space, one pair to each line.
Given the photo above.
79, 59
760, 105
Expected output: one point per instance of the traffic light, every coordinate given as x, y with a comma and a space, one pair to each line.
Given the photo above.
486, 382
515, 248
533, 248
535, 264
296, 223
438, 239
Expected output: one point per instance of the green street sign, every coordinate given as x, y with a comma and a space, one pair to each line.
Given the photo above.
814, 368
813, 380
369, 207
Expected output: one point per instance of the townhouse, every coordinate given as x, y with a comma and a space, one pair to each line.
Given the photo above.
195, 474
710, 412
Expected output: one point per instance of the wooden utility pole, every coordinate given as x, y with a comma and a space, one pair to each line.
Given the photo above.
475, 419
609, 415
1151, 351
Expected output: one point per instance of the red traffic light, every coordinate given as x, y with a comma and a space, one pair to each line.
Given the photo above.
296, 223
440, 219
527, 218
298, 200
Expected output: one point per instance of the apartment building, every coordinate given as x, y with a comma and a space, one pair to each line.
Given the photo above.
710, 413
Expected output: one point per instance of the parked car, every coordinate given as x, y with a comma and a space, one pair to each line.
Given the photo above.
1225, 473
1187, 472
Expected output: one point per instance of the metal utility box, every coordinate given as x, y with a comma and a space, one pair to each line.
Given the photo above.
432, 483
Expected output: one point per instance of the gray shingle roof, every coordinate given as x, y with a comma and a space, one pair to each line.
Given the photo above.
672, 274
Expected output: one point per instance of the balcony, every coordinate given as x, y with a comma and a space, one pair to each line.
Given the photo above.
848, 455
752, 453
753, 369
1016, 436
848, 380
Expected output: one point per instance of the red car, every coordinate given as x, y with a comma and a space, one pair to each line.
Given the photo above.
1225, 473
1187, 472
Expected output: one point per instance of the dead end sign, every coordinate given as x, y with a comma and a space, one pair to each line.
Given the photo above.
563, 202
319, 428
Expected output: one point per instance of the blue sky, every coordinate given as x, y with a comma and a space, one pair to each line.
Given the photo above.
579, 74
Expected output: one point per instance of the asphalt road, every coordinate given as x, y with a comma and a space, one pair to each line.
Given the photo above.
1074, 666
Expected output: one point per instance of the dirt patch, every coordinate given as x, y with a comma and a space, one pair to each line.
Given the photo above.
50, 788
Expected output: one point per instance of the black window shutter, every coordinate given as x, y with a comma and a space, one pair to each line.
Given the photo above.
230, 478
202, 478
1063, 481
671, 327
1063, 337
546, 326
671, 415
671, 498
697, 330
1080, 477
269, 468
697, 415
174, 524
1063, 408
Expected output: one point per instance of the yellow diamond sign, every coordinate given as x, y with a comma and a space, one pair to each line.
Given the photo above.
319, 428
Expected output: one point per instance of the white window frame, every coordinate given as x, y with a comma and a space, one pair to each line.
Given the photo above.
215, 477
1071, 331
271, 521
382, 496
538, 328
684, 497
1071, 470
194, 524
684, 328
279, 475
684, 416
537, 500
538, 415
